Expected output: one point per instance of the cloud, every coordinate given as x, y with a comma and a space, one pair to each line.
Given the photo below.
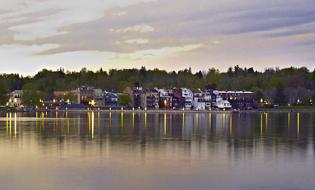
229, 32
136, 28
121, 13
73, 13
138, 41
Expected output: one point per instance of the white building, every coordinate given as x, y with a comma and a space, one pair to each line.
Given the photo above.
206, 98
223, 104
188, 95
15, 98
198, 102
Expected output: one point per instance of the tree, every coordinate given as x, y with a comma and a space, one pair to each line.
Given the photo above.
31, 96
71, 97
157, 85
275, 80
306, 100
124, 100
279, 95
258, 95
293, 82
213, 86
3, 94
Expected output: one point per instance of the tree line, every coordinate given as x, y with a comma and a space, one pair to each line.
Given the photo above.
297, 83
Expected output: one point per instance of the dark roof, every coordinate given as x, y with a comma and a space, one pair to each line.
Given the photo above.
154, 91
74, 106
113, 96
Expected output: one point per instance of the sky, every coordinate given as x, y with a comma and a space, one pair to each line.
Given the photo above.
164, 34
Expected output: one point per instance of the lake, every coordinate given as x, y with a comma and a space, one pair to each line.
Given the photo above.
102, 150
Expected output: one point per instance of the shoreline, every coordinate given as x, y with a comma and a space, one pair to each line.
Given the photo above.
175, 111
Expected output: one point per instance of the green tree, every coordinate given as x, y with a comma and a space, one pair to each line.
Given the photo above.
31, 96
279, 95
306, 100
275, 80
71, 97
258, 95
124, 100
3, 94
158, 86
214, 78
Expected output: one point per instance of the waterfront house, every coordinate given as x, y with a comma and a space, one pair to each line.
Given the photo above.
238, 99
222, 104
166, 101
110, 99
198, 102
15, 98
188, 95
86, 94
98, 97
134, 94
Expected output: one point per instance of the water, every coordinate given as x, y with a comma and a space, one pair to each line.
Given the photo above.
157, 151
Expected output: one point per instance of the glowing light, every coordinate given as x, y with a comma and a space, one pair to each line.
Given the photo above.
224, 122
197, 121
93, 125
15, 125
260, 125
210, 122
110, 119
133, 120
7, 123
230, 125
122, 120
183, 121
145, 121
164, 125
10, 124
298, 125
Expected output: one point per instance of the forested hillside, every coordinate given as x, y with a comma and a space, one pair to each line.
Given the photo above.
293, 80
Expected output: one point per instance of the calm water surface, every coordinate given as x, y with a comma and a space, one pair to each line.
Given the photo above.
157, 151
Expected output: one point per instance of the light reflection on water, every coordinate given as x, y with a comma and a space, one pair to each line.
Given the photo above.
102, 150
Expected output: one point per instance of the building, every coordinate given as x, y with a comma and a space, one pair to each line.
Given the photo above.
110, 99
188, 95
213, 101
198, 100
223, 104
207, 99
98, 98
166, 101
147, 100
86, 95
237, 99
15, 98
57, 95
155, 93
134, 94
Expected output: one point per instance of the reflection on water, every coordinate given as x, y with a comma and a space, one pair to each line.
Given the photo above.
103, 150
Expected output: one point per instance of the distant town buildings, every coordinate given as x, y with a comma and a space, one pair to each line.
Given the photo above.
150, 99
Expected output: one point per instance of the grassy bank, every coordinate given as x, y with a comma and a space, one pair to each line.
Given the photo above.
7, 109
287, 107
